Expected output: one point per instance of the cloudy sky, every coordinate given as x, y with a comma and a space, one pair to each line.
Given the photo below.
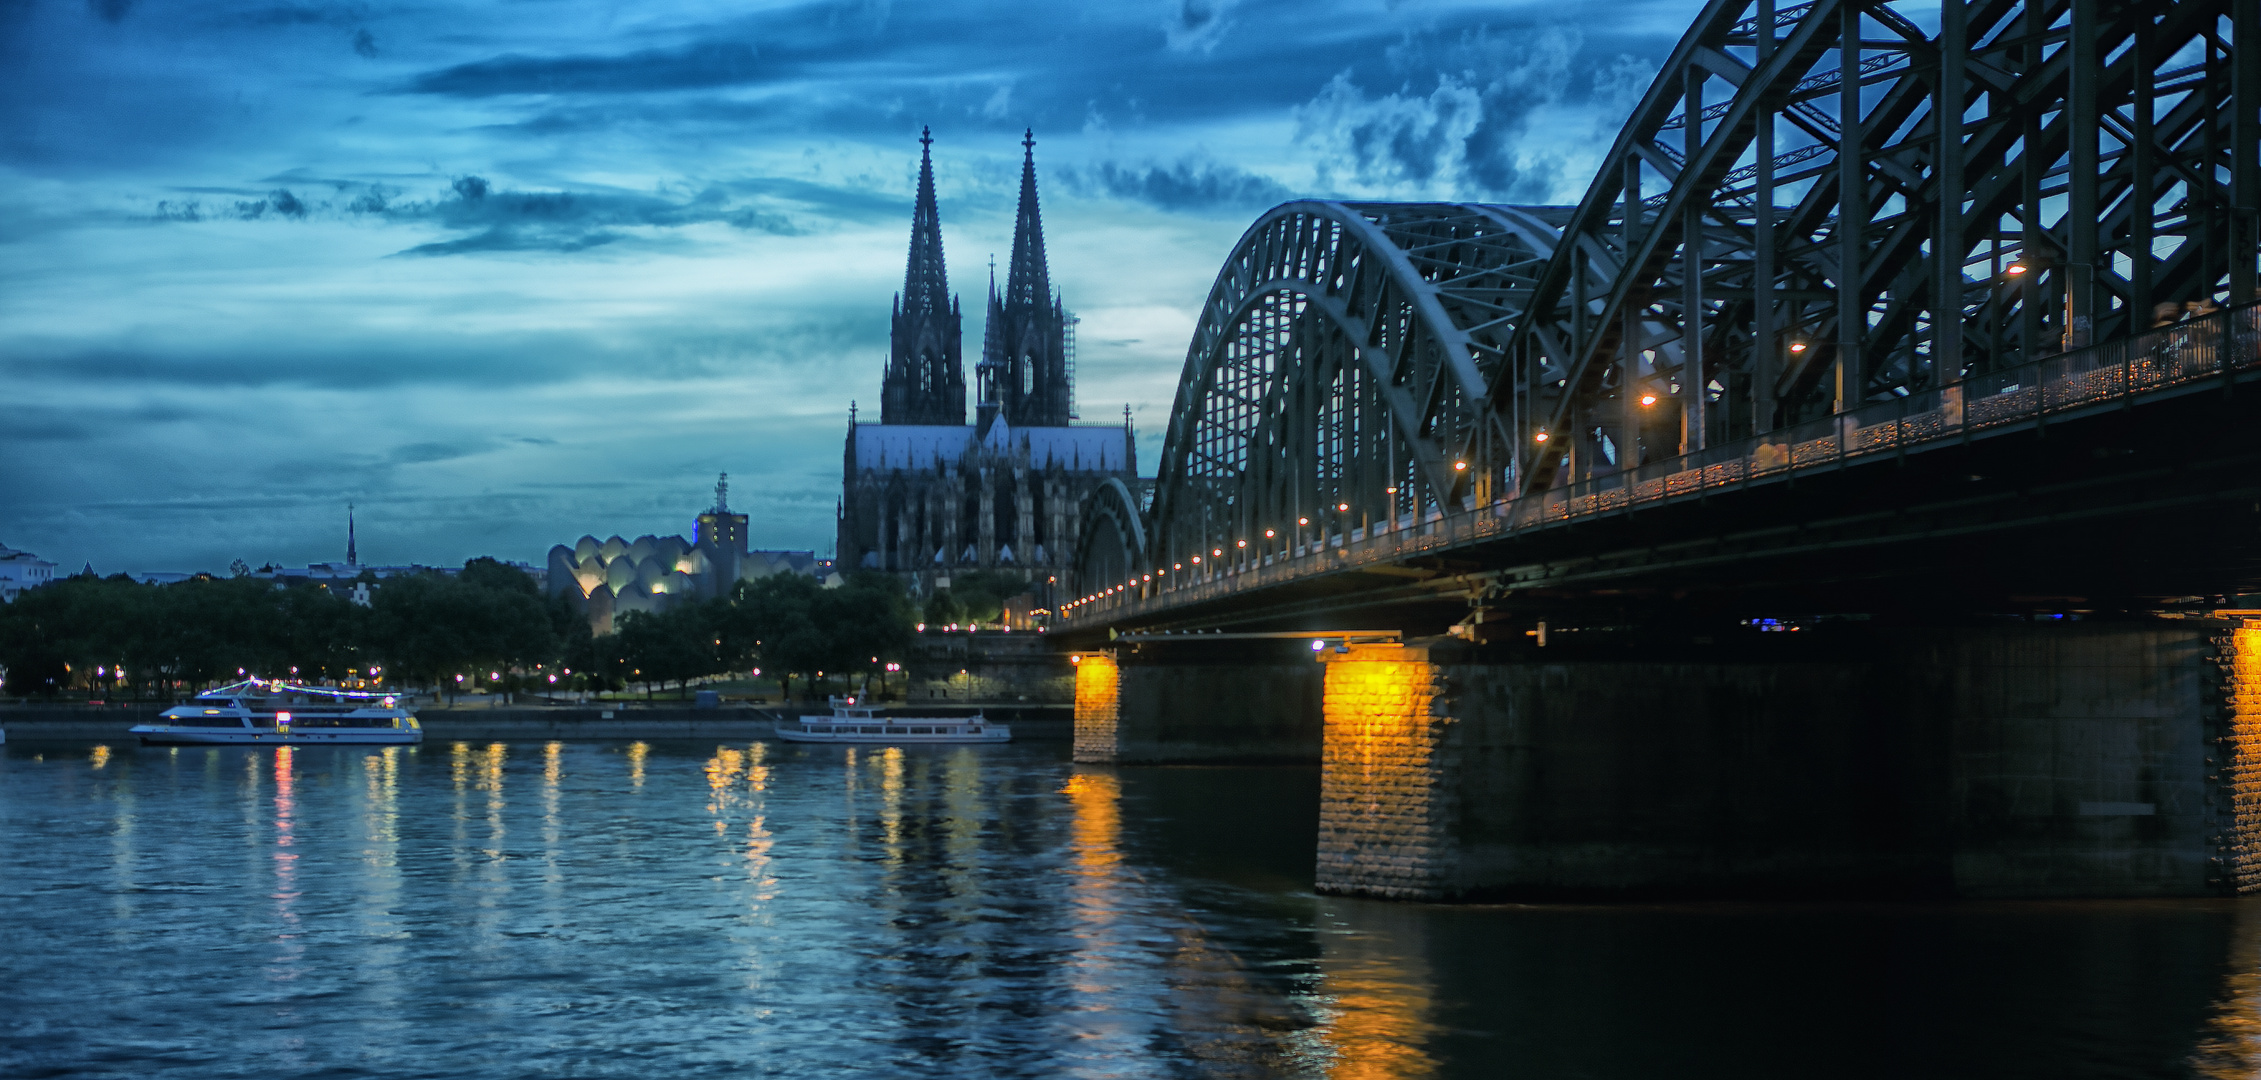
504, 273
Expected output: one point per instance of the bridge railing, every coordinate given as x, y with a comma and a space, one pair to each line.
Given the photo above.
2210, 347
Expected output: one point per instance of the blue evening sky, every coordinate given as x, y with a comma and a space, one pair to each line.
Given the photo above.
504, 273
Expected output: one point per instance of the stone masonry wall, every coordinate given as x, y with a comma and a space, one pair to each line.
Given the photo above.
2015, 760
1388, 785
1260, 711
2235, 761
1098, 708
2079, 756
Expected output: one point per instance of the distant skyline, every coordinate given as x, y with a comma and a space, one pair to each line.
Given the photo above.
503, 274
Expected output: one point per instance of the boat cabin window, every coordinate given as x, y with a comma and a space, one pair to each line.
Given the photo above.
922, 731
870, 731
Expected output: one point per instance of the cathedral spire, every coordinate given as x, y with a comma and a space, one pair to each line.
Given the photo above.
926, 378
352, 557
926, 284
1024, 354
1029, 280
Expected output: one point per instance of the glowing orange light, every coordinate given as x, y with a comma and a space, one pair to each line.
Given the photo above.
1268, 534
1648, 399
2016, 268
1459, 465
1797, 346
1540, 437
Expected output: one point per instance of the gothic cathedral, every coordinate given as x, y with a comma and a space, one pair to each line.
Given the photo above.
923, 493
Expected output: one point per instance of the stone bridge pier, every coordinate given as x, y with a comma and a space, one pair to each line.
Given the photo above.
2012, 759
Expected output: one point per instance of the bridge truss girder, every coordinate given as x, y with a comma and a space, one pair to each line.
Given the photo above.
2068, 117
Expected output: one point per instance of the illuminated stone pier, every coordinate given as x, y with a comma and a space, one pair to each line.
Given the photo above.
2069, 759
2021, 761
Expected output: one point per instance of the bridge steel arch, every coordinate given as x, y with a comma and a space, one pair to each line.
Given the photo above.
1340, 377
1816, 208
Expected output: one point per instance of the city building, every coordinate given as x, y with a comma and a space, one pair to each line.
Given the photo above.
20, 570
652, 573
923, 493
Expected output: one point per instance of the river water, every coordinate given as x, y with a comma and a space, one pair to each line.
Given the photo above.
759, 909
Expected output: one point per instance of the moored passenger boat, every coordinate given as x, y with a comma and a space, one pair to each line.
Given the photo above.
258, 711
858, 723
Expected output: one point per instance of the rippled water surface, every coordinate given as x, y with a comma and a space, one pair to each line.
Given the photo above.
665, 910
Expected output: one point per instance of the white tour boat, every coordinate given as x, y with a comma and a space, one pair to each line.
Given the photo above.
258, 711
854, 722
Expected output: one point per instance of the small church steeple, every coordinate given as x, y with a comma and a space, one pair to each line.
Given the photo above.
352, 556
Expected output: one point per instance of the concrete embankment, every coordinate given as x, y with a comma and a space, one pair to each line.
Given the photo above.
103, 723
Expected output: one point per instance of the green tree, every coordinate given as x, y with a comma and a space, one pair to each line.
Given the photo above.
982, 593
791, 626
771, 622
428, 628
676, 645
870, 620
943, 609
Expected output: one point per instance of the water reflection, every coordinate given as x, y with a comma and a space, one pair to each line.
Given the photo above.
1376, 996
485, 910
2232, 1045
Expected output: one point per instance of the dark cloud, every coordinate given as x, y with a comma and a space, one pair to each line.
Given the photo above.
566, 222
505, 238
701, 65
365, 43
1461, 121
110, 10
1197, 25
299, 15
420, 453
344, 357
1186, 185
50, 428
501, 220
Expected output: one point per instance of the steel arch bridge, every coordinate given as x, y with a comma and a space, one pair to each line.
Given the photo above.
1818, 213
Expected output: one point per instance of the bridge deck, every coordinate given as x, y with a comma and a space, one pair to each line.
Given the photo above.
2211, 353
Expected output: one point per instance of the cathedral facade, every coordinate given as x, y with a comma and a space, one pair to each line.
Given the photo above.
925, 494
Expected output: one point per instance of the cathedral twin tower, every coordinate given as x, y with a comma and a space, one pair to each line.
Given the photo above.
1023, 372
925, 494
